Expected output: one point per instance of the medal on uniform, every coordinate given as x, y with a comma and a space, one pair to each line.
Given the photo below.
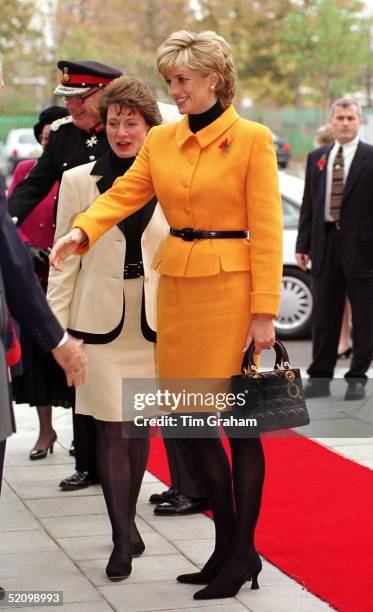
90, 142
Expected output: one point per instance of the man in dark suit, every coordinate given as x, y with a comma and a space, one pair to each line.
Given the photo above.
336, 233
21, 290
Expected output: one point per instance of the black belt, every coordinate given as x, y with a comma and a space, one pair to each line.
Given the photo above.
133, 270
188, 233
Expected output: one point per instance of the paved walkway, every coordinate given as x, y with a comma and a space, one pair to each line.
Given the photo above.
51, 540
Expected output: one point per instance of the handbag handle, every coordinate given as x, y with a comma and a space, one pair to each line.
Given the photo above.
282, 358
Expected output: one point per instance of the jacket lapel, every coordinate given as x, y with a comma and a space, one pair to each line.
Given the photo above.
324, 173
356, 167
320, 183
103, 170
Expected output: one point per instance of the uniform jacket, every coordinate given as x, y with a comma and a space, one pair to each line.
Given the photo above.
87, 297
68, 146
224, 177
356, 222
40, 225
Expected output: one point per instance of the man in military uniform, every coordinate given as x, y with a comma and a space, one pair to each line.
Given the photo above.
74, 140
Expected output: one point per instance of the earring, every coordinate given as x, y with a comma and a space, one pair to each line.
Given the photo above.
212, 87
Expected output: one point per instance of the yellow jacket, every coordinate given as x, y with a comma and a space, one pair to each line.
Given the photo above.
222, 178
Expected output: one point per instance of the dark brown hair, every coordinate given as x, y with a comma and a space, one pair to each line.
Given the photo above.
131, 92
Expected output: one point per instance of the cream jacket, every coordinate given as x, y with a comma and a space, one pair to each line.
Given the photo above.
87, 296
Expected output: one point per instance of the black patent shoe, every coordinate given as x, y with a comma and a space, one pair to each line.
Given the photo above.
159, 498
181, 506
78, 480
137, 545
41, 453
2, 593
206, 575
220, 591
119, 566
355, 391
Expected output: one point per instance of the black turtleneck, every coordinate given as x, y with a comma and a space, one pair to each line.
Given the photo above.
119, 165
200, 121
133, 226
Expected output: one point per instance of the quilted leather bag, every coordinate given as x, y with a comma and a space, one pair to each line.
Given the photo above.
276, 398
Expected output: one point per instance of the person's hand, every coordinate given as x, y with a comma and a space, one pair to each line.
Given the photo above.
262, 332
72, 359
39, 257
65, 246
302, 260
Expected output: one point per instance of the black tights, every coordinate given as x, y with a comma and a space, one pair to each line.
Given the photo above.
235, 508
121, 462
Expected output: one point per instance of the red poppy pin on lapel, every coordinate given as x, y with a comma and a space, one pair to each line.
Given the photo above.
224, 145
321, 163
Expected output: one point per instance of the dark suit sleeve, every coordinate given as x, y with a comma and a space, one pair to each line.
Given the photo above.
33, 189
303, 244
25, 297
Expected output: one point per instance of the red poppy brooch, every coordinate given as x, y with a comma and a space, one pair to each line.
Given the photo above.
321, 163
224, 145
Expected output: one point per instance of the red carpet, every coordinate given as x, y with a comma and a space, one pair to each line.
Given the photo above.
316, 522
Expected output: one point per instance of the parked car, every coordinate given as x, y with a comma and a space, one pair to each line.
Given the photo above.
294, 320
20, 144
283, 150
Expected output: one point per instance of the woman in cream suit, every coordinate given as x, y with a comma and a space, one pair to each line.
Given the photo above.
108, 300
215, 175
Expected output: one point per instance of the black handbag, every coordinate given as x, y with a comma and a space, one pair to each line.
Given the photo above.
274, 399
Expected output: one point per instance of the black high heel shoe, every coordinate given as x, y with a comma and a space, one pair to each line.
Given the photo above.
345, 354
41, 453
206, 575
230, 590
119, 566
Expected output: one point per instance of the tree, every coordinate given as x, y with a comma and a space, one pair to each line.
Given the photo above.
21, 43
126, 35
323, 49
252, 29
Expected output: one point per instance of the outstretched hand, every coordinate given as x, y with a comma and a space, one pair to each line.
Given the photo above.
65, 246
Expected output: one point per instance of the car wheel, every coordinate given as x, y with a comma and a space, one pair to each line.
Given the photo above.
294, 319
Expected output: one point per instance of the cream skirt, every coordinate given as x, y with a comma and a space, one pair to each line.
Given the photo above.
128, 356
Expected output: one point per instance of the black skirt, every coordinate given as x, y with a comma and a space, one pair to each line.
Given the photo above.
41, 382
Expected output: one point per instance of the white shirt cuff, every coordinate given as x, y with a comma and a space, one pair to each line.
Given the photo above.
65, 338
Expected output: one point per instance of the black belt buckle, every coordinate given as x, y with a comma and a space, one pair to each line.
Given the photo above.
187, 234
133, 270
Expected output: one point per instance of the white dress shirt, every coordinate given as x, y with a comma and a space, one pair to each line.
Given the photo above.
349, 150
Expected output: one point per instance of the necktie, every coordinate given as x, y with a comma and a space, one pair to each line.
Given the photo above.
337, 185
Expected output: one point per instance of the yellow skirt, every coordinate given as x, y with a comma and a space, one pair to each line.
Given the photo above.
202, 325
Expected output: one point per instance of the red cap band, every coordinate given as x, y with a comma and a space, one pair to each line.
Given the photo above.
84, 80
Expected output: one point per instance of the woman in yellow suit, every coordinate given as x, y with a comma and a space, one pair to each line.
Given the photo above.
215, 176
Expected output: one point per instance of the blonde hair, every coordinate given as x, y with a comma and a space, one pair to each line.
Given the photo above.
325, 135
203, 51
